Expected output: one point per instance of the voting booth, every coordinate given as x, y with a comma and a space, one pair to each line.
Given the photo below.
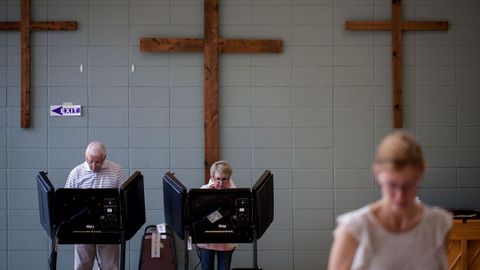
238, 215
91, 216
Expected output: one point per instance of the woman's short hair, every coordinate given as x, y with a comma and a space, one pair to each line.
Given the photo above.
221, 166
397, 151
95, 148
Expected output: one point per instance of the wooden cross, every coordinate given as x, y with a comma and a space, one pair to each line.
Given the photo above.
396, 25
26, 26
212, 46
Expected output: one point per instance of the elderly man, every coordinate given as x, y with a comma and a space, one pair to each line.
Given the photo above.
96, 172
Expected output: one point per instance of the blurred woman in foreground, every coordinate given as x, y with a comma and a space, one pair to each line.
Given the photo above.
397, 231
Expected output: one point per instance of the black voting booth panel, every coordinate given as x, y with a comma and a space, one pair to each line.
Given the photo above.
132, 200
237, 215
87, 216
220, 215
263, 198
174, 198
46, 192
92, 216
100, 215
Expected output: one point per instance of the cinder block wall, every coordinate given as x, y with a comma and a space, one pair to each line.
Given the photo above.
312, 115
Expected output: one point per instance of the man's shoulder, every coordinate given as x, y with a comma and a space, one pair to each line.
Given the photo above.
112, 165
79, 168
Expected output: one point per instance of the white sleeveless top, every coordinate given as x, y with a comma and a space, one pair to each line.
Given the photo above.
422, 247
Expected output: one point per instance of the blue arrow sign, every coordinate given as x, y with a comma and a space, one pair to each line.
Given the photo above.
65, 110
58, 110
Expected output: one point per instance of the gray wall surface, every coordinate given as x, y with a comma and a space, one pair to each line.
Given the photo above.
313, 115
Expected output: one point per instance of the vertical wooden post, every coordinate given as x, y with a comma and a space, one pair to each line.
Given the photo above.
464, 254
211, 84
397, 54
25, 64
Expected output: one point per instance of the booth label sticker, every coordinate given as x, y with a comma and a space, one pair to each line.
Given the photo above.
213, 217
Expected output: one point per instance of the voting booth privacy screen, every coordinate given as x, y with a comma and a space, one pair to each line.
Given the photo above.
45, 203
132, 200
174, 197
262, 193
219, 215
91, 216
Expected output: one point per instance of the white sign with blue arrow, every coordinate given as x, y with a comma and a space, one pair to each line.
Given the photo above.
66, 110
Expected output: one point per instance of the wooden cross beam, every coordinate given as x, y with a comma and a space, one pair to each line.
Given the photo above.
25, 25
396, 25
211, 46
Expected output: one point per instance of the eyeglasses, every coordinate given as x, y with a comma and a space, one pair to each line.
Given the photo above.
400, 187
221, 179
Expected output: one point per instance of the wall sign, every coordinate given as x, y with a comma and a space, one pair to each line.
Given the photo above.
66, 110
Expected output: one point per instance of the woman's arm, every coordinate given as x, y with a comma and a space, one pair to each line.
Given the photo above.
343, 250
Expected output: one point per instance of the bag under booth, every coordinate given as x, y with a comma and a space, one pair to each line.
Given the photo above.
157, 250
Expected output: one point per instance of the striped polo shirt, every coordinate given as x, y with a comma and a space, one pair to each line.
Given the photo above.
111, 175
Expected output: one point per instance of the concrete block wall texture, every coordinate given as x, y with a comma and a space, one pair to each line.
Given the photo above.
313, 114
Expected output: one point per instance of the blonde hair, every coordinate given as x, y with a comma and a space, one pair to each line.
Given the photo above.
221, 166
397, 151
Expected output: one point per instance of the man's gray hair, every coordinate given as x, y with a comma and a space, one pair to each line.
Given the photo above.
95, 148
